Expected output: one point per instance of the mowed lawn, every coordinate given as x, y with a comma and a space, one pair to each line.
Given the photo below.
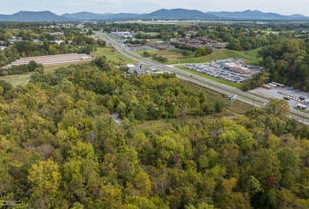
17, 80
176, 56
112, 55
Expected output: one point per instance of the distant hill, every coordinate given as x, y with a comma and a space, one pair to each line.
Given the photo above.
162, 14
26, 16
256, 15
178, 14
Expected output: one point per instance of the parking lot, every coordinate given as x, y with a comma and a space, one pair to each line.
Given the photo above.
234, 70
292, 94
143, 47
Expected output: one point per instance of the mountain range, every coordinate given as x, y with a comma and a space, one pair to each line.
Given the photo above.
163, 14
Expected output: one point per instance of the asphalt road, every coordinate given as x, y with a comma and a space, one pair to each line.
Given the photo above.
199, 80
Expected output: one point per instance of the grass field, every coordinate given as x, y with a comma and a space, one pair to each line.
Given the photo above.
23, 79
17, 80
112, 55
175, 56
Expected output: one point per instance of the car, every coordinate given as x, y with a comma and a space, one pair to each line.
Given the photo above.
232, 97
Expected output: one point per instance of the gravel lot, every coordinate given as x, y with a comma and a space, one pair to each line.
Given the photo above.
279, 93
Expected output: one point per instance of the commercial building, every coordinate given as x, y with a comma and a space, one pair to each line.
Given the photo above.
122, 35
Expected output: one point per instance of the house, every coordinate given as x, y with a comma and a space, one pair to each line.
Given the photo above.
57, 34
57, 41
162, 47
14, 40
196, 43
218, 45
80, 26
134, 45
36, 40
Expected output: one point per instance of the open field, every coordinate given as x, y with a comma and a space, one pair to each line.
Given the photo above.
17, 80
175, 56
112, 55
23, 79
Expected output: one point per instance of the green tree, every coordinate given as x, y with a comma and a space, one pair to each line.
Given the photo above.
278, 107
44, 178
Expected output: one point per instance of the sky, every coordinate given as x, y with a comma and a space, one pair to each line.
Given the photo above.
144, 6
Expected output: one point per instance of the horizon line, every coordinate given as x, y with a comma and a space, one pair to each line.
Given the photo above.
95, 12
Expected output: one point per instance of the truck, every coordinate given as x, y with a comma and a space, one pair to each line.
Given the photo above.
301, 106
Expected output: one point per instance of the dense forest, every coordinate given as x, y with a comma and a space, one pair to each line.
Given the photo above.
60, 146
287, 61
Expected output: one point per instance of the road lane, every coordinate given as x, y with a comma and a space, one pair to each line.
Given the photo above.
199, 80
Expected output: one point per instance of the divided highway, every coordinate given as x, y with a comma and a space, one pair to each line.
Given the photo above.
199, 80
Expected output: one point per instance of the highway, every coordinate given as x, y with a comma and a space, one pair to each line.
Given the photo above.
199, 80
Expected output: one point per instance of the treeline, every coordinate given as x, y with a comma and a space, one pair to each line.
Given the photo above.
287, 62
8, 55
158, 58
21, 69
238, 36
280, 27
203, 51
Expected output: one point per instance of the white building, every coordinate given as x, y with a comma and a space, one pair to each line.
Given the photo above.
57, 34
124, 35
59, 41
